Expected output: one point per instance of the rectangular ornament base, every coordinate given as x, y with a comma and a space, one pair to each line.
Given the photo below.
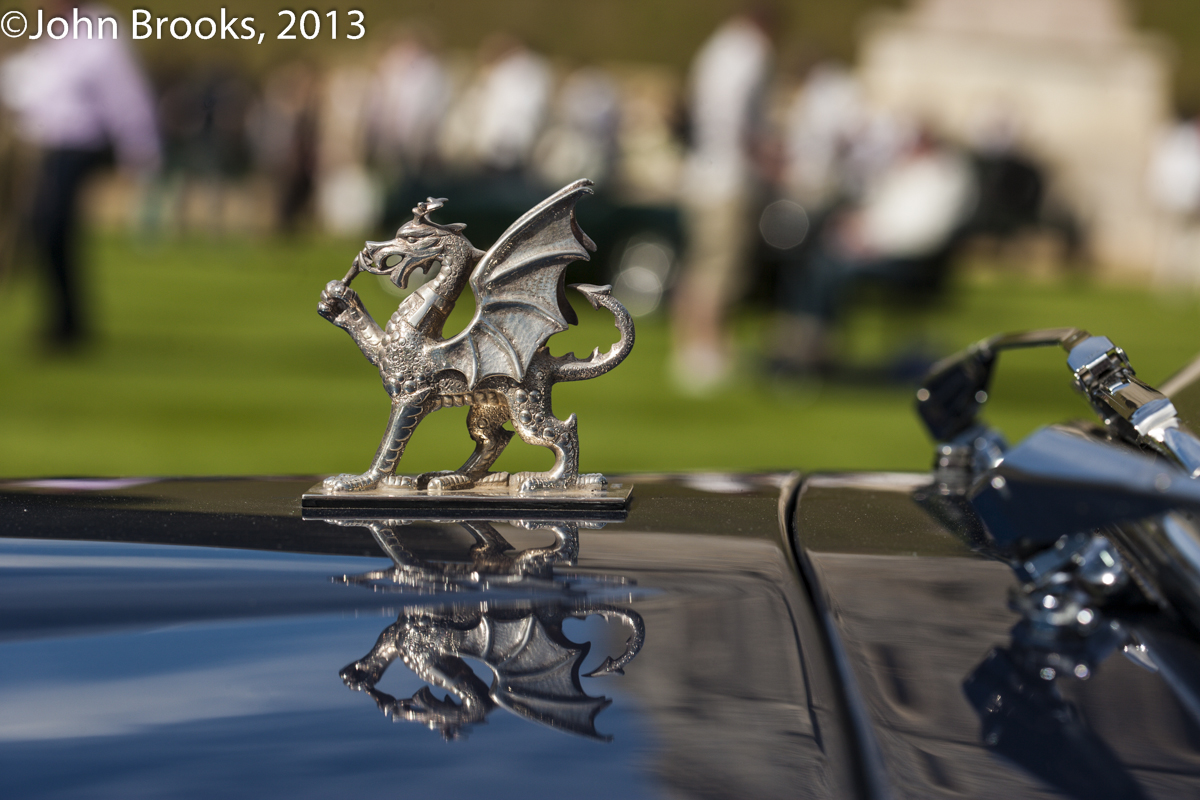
496, 502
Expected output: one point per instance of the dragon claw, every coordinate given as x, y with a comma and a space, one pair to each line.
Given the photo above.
398, 482
591, 480
337, 301
440, 481
351, 483
541, 481
358, 678
453, 480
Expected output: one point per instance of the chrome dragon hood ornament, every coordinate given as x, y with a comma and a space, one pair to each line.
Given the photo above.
499, 364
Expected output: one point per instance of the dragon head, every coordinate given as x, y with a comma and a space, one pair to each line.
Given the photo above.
417, 245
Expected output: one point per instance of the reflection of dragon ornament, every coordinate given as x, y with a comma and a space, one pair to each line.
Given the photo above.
500, 364
535, 667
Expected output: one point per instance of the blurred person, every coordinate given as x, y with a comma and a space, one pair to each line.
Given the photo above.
283, 131
514, 97
16, 178
349, 197
489, 135
203, 118
581, 140
405, 118
727, 84
1174, 187
74, 100
900, 234
408, 106
834, 143
826, 117
650, 138
875, 147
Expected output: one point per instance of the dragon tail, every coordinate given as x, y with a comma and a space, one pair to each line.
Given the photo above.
573, 369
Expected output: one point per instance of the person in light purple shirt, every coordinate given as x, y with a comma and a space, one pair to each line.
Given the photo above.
74, 99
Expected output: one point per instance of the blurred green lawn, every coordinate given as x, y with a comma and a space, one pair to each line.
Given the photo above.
212, 360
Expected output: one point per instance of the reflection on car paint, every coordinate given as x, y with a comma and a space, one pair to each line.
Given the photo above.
1041, 698
536, 667
222, 680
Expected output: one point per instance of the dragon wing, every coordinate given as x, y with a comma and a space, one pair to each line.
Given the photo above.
537, 677
520, 299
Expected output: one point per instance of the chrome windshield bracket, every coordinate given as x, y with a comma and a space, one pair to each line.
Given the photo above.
954, 391
1135, 411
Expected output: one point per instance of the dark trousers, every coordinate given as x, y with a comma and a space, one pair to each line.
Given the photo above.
820, 289
54, 230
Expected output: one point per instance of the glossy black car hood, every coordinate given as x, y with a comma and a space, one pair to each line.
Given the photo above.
185, 638
957, 695
762, 637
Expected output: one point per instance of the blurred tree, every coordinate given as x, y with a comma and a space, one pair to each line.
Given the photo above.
1178, 22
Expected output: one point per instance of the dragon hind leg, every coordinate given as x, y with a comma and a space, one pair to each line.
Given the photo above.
485, 423
537, 425
403, 420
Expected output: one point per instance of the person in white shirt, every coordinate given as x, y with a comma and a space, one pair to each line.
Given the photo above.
411, 98
582, 137
1174, 187
514, 95
727, 84
899, 233
74, 99
826, 115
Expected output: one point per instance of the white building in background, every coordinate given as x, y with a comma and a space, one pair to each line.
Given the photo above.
1080, 88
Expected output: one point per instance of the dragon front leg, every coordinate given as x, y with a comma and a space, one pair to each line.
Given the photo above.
404, 418
363, 674
342, 306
